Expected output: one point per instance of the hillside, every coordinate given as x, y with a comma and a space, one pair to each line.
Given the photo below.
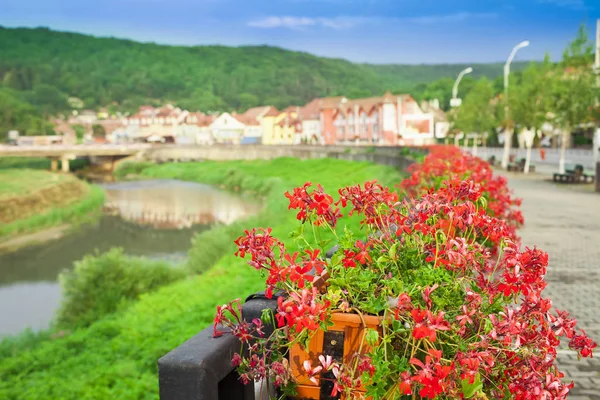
105, 70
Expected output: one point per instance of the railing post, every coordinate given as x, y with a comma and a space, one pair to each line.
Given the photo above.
200, 369
597, 177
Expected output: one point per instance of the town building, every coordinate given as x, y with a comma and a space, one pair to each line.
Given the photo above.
265, 116
228, 128
287, 125
440, 119
384, 120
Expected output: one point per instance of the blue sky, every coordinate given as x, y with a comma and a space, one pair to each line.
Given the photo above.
377, 31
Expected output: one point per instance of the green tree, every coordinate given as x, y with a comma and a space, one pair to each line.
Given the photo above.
79, 132
48, 99
18, 114
98, 130
531, 98
477, 113
574, 90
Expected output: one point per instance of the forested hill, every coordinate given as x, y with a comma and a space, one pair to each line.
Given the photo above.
47, 66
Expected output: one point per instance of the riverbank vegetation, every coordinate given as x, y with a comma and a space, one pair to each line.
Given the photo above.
31, 200
115, 357
39, 163
100, 284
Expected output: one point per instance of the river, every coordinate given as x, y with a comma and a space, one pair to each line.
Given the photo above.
155, 219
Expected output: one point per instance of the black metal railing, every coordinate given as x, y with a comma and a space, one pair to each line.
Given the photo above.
200, 369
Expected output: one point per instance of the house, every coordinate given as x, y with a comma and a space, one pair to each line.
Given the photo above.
193, 128
65, 130
266, 116
388, 119
286, 126
327, 107
440, 119
228, 128
155, 122
310, 118
86, 117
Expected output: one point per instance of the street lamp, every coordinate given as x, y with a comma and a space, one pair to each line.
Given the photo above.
507, 134
455, 102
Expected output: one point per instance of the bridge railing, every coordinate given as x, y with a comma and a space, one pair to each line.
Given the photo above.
200, 369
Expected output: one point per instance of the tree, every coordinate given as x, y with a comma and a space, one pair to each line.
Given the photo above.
574, 91
477, 113
18, 114
531, 98
247, 100
48, 99
98, 131
79, 132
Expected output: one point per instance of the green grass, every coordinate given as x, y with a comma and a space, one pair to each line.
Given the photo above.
79, 212
116, 356
22, 182
38, 163
15, 182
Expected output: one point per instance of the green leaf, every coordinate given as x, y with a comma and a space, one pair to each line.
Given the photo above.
469, 389
393, 251
382, 260
372, 336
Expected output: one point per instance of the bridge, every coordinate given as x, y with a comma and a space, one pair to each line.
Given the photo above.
107, 154
65, 153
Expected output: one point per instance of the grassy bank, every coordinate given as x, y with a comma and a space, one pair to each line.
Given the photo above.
116, 356
31, 200
38, 163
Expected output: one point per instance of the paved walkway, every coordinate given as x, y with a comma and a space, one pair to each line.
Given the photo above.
564, 220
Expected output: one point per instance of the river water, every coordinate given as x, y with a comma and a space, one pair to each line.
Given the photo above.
156, 219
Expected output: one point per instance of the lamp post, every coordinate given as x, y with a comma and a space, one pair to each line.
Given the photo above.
507, 131
455, 101
596, 141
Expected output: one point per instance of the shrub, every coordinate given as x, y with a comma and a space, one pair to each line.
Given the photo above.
99, 285
131, 168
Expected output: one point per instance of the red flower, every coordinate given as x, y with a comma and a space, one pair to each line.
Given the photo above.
363, 255
348, 260
583, 344
405, 383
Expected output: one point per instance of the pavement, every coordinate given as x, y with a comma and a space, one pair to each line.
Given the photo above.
564, 220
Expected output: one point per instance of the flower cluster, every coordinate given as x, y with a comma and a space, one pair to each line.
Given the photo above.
447, 163
460, 305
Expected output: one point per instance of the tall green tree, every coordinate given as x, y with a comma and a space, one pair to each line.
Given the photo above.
574, 90
531, 97
477, 114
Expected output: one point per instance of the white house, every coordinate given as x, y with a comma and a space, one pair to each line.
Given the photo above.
227, 128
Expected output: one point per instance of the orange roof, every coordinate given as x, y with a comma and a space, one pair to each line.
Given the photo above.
311, 110
256, 112
245, 120
330, 102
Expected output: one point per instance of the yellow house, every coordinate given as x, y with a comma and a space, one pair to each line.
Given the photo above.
286, 126
266, 116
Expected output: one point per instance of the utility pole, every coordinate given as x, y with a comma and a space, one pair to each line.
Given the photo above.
508, 131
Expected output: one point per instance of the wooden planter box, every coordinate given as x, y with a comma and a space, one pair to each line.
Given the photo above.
341, 341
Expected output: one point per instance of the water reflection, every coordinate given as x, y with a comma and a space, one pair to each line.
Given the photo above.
173, 204
155, 219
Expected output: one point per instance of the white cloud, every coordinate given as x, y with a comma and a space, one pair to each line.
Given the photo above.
282, 22
447, 18
573, 4
344, 22
303, 22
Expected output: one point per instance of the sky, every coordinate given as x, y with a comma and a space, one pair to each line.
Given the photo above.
373, 31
